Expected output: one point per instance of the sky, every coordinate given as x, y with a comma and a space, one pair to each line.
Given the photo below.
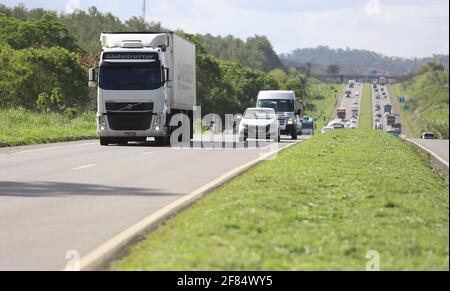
403, 28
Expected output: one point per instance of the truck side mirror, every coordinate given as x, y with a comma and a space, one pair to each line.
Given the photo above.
92, 77
166, 75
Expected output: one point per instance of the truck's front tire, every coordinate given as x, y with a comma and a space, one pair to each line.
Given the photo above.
162, 141
294, 135
104, 141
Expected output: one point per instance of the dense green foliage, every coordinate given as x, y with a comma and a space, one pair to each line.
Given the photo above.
25, 74
45, 32
352, 61
256, 52
427, 97
337, 205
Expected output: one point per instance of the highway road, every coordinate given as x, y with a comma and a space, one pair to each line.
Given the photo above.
383, 101
347, 103
439, 147
76, 196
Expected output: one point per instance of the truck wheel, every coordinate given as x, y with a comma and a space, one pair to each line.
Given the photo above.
294, 135
104, 141
162, 141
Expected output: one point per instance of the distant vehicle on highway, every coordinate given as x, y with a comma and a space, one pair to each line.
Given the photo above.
382, 81
352, 83
348, 93
342, 113
379, 126
388, 108
428, 135
391, 119
378, 96
394, 131
378, 114
309, 125
377, 119
287, 108
259, 123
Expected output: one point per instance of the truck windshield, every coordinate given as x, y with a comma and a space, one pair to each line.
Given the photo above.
130, 77
278, 105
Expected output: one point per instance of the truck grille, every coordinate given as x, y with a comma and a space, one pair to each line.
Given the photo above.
129, 116
129, 106
129, 121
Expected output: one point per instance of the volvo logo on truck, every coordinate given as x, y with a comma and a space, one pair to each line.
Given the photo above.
144, 80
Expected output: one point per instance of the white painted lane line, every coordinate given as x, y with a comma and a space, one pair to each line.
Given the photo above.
148, 153
84, 167
52, 148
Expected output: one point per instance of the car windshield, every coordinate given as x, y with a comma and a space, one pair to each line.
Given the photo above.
429, 136
259, 114
277, 105
130, 77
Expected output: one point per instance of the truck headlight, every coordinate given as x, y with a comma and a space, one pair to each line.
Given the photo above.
101, 120
290, 121
157, 123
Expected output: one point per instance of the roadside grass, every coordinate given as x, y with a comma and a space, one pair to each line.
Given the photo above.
324, 107
22, 127
428, 101
366, 117
321, 205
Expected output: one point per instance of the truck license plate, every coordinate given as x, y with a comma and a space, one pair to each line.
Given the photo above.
130, 134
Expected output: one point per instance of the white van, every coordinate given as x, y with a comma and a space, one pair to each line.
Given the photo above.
289, 111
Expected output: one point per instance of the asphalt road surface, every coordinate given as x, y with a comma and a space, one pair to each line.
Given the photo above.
439, 147
347, 103
76, 196
384, 100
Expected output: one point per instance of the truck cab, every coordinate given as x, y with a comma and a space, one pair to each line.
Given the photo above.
289, 111
143, 80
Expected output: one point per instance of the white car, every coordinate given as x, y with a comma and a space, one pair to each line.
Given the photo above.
259, 123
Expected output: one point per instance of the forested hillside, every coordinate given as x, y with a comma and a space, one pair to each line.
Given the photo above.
256, 52
354, 61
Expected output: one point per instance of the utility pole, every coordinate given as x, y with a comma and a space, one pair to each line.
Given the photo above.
144, 9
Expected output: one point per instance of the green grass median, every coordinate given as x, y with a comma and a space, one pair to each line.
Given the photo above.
321, 205
366, 118
22, 127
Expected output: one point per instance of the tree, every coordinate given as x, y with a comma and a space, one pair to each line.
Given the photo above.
333, 70
26, 74
279, 75
45, 32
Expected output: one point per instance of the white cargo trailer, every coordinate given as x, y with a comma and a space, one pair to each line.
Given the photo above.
143, 80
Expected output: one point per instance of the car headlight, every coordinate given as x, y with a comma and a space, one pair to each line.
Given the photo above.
290, 121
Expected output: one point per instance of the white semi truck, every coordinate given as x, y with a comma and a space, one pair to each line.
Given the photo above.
144, 80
